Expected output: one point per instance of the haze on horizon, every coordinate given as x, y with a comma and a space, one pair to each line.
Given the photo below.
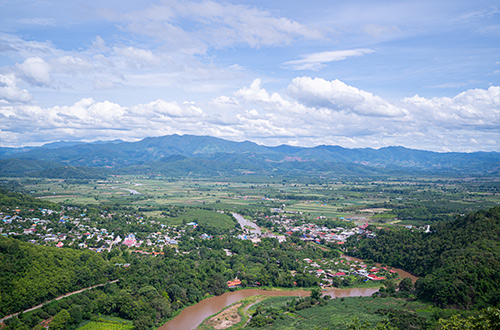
418, 74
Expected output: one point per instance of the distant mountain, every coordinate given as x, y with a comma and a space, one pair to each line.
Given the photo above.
177, 155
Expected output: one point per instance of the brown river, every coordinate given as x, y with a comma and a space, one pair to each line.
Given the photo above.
192, 316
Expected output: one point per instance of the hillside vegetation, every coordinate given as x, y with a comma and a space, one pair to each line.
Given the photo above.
458, 261
33, 274
176, 155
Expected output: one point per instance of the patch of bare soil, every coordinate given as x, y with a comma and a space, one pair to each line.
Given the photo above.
226, 318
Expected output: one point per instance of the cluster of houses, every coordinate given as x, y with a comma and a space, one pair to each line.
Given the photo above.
313, 232
79, 231
328, 270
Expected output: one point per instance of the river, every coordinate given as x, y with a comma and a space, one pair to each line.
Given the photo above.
192, 316
246, 223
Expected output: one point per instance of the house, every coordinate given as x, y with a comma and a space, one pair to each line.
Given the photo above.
374, 277
336, 274
233, 284
130, 240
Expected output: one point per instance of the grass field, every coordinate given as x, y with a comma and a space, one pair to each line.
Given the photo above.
204, 218
332, 199
108, 323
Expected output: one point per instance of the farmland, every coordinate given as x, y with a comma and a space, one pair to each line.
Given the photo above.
408, 201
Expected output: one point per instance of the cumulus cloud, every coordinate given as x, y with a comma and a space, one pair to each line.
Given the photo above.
36, 71
473, 108
316, 61
312, 112
169, 109
10, 92
338, 96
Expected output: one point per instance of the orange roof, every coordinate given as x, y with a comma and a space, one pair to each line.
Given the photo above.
233, 283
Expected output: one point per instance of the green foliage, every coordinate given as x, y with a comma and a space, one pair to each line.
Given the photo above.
341, 313
32, 274
108, 324
60, 320
459, 262
12, 200
209, 220
488, 318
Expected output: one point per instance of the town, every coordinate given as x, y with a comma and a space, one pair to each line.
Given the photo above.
73, 227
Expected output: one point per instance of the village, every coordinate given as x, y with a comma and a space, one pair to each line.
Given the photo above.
72, 227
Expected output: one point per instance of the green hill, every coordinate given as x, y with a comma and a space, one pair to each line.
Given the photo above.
32, 274
458, 261
176, 155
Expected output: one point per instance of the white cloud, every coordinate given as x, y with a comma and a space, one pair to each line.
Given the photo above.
316, 61
72, 65
36, 71
320, 112
215, 25
338, 96
477, 108
19, 47
169, 109
37, 21
138, 57
10, 92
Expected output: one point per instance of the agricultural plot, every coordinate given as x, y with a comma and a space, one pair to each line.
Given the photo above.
345, 313
414, 201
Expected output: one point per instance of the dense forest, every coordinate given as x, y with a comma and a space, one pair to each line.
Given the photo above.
150, 289
458, 261
33, 274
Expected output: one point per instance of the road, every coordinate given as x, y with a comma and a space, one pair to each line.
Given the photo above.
58, 298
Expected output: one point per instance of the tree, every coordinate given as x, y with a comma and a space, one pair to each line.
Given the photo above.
60, 320
315, 294
406, 285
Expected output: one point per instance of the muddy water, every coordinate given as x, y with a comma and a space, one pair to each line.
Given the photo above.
192, 316
400, 272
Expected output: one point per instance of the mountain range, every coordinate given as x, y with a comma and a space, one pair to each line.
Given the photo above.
178, 155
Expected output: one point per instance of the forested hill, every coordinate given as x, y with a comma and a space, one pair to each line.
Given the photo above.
204, 155
458, 261
32, 274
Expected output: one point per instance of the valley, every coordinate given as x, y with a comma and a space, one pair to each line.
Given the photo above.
192, 236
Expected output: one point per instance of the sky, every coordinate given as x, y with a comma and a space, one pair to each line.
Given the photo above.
419, 74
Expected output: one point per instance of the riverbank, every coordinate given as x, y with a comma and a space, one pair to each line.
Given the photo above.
231, 316
192, 316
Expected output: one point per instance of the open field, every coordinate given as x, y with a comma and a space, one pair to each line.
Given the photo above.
108, 323
409, 201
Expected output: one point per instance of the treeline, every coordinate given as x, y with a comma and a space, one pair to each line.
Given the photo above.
144, 307
12, 200
458, 262
202, 267
30, 275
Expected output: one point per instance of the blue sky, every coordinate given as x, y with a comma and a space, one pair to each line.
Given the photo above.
421, 74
